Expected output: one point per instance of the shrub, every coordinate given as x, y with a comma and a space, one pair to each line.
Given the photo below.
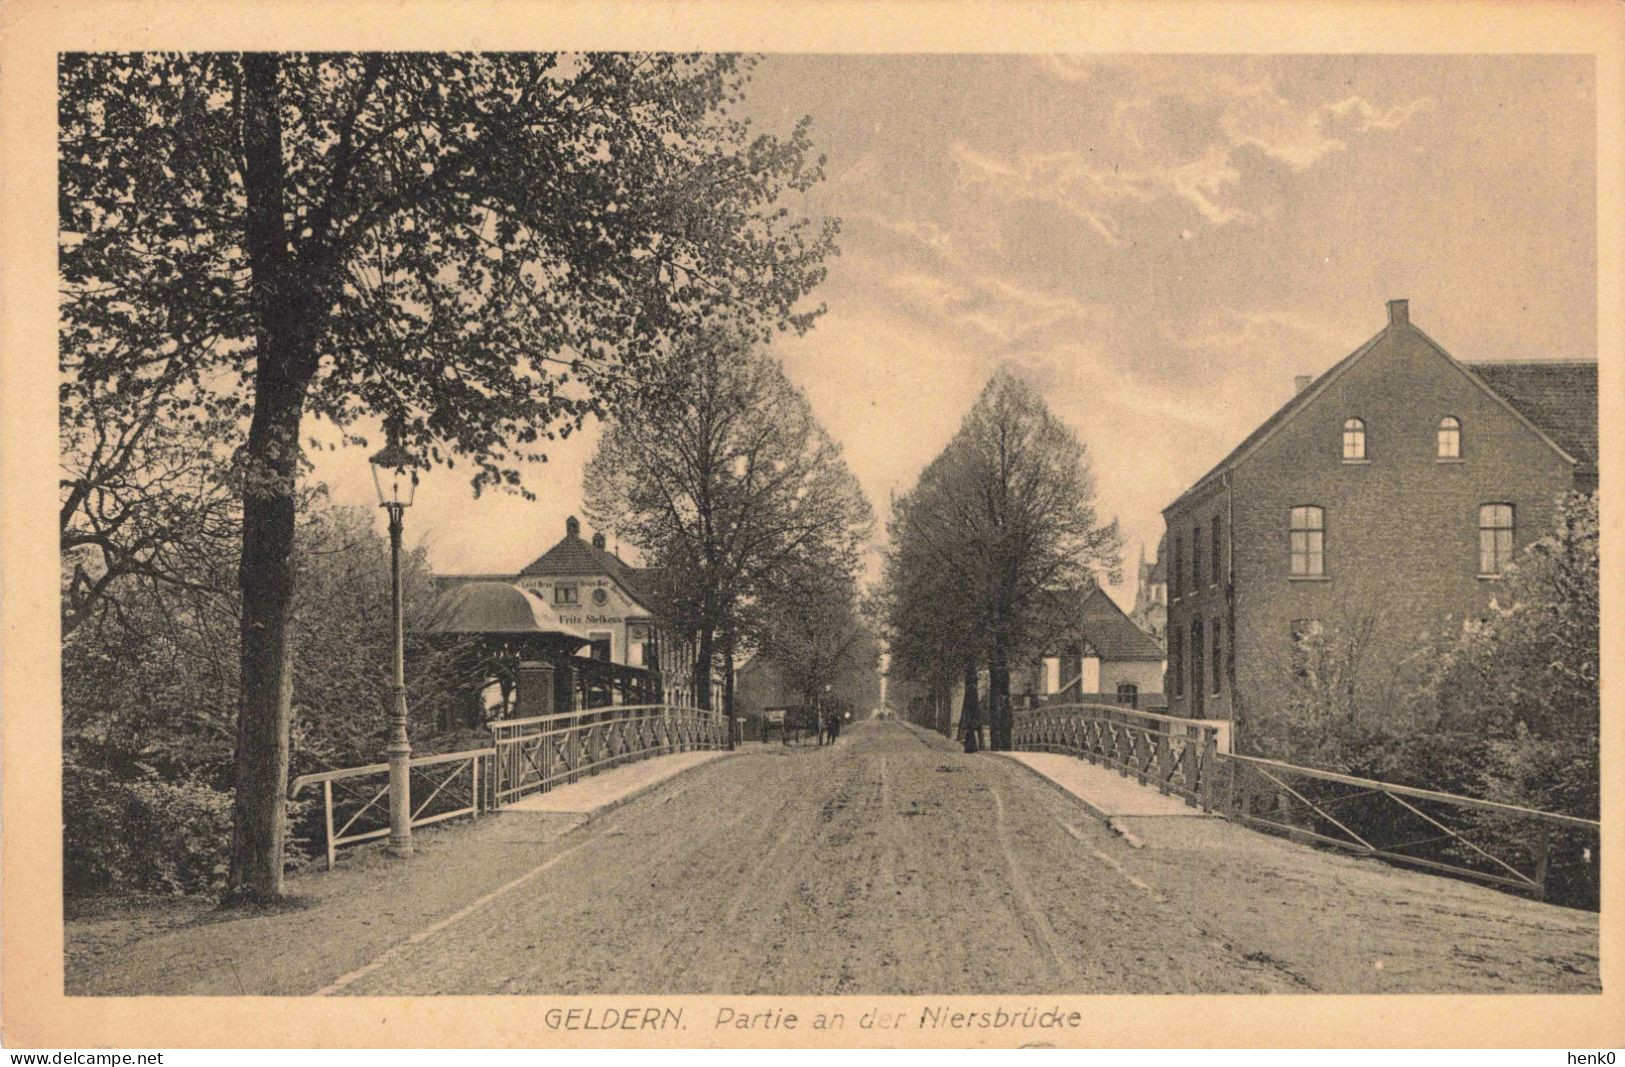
143, 834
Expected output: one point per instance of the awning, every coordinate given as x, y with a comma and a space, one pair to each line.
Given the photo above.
497, 608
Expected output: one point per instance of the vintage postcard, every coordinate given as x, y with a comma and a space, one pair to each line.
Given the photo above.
811, 524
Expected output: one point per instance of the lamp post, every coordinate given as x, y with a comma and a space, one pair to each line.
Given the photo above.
395, 474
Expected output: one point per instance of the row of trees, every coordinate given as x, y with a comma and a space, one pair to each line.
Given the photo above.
745, 509
999, 526
480, 250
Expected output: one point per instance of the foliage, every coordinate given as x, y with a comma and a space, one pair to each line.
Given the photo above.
149, 692
142, 834
482, 249
999, 524
721, 475
1506, 708
815, 636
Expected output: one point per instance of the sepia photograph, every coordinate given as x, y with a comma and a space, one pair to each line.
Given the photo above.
961, 530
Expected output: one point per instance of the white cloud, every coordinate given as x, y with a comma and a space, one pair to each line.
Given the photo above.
1000, 310
1176, 140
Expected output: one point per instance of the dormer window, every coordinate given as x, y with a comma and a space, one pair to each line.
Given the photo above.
1354, 441
1449, 437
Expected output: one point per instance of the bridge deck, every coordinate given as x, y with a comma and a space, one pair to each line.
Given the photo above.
1104, 791
611, 787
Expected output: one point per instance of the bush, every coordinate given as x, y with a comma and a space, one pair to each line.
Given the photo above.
142, 835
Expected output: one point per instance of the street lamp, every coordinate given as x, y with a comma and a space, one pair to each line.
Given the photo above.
394, 472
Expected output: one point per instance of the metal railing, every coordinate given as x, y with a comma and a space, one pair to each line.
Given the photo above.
355, 801
537, 753
1543, 853
526, 756
1176, 755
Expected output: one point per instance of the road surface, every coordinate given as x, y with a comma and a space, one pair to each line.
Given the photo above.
888, 864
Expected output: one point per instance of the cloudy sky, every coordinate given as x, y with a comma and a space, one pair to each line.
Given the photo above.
1159, 243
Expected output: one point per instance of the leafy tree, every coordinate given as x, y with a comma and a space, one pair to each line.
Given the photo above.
149, 695
721, 475
927, 598
482, 249
1007, 515
1529, 672
813, 633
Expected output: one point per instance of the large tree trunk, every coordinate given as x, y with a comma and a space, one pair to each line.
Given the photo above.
998, 701
702, 668
970, 715
728, 684
265, 576
285, 362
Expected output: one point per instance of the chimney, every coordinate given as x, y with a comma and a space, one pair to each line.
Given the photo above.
1399, 312
598, 540
1301, 382
572, 527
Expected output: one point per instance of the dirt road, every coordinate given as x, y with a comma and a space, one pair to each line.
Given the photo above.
889, 864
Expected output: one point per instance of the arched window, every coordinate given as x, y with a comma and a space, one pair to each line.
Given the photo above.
1353, 439
1449, 437
1308, 533
1494, 538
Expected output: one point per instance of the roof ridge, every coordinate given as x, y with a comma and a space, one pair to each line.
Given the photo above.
1531, 363
1281, 414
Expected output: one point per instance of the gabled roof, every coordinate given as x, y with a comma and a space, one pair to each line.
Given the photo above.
1558, 397
1551, 398
1095, 618
575, 556
1267, 428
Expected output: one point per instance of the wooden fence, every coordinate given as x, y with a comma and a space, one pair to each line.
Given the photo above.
526, 756
1544, 854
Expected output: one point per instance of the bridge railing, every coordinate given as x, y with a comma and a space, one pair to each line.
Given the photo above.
1545, 854
535, 754
355, 800
1175, 755
526, 756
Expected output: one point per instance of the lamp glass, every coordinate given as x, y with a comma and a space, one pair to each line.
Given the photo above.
394, 476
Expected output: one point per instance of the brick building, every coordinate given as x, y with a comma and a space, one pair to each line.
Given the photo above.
1385, 497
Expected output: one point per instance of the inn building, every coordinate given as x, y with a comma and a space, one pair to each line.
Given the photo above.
595, 593
1391, 492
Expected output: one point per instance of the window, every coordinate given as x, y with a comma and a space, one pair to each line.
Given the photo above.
1196, 559
565, 594
1353, 440
1179, 565
1494, 538
1449, 437
1216, 567
1218, 657
1308, 542
1176, 664
1196, 665
602, 646
1128, 694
